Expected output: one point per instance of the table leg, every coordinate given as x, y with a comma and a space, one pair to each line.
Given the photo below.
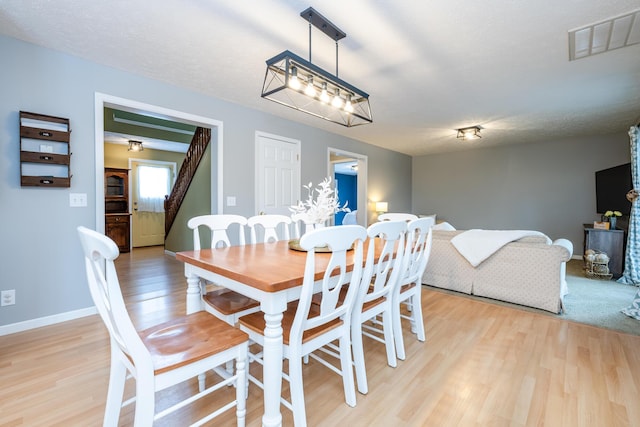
272, 370
194, 299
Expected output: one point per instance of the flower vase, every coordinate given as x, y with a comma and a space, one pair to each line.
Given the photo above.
612, 222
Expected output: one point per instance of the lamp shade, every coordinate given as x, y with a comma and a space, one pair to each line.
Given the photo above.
382, 207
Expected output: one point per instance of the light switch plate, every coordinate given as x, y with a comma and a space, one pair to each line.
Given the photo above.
78, 200
231, 200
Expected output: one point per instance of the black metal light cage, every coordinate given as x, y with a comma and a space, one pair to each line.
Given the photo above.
317, 90
277, 88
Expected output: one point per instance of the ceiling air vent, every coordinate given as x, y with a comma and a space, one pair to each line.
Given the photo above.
600, 37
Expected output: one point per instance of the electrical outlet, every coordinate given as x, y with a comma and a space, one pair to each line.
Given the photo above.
8, 297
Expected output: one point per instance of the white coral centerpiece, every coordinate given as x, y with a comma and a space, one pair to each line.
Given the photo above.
326, 204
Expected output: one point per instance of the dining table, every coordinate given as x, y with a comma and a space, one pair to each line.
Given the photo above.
271, 273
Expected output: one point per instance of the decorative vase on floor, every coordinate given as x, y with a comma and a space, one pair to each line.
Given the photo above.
612, 222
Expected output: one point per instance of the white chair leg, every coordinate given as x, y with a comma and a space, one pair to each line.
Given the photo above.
417, 317
241, 390
397, 332
387, 326
117, 378
297, 391
145, 400
346, 364
358, 357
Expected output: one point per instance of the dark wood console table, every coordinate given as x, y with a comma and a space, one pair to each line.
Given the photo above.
609, 241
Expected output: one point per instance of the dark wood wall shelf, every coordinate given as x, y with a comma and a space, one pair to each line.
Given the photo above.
45, 156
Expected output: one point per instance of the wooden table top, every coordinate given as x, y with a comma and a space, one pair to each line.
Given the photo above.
270, 267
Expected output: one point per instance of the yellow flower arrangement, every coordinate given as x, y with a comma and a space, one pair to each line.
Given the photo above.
609, 214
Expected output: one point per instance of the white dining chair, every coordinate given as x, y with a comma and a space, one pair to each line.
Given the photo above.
350, 218
267, 226
408, 292
162, 355
223, 303
374, 301
308, 327
301, 224
397, 217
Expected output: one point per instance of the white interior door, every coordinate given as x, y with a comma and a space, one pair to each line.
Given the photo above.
147, 224
277, 173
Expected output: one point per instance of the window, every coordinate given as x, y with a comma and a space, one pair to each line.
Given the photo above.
154, 183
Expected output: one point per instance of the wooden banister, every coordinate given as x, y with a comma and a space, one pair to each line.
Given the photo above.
173, 201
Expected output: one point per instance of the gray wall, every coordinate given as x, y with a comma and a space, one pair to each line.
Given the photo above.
548, 186
42, 259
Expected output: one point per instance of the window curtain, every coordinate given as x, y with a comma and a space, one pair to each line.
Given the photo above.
631, 275
153, 185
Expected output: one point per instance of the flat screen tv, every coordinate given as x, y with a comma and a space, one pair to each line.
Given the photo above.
612, 186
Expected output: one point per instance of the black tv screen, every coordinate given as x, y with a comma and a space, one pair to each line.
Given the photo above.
612, 186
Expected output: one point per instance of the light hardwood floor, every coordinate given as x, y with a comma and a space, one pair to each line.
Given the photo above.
482, 365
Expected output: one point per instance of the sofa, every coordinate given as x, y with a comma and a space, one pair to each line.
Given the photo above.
529, 271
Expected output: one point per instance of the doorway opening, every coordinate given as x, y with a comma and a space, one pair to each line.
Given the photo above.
349, 172
103, 101
151, 180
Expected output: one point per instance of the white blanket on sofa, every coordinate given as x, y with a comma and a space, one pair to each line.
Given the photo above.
478, 245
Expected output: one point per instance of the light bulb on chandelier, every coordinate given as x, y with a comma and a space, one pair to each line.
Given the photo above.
324, 96
310, 90
294, 83
347, 106
337, 101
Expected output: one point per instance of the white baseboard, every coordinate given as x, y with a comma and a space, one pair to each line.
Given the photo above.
46, 321
577, 257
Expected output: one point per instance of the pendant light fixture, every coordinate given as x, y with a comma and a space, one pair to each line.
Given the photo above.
301, 85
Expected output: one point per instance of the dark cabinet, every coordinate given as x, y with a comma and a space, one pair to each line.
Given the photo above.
116, 207
609, 241
117, 227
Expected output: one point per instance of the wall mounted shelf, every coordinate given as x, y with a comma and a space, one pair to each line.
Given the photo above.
45, 156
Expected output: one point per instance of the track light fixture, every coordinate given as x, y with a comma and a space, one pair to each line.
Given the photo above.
469, 133
325, 95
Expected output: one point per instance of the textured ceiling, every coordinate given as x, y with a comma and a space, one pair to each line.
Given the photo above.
430, 67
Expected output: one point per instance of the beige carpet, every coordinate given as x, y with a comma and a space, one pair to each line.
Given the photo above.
594, 302
598, 302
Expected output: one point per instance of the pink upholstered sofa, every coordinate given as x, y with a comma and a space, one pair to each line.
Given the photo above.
529, 271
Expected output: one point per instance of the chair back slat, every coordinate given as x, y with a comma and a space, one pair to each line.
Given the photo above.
335, 277
218, 226
418, 249
397, 217
99, 253
380, 277
301, 224
269, 226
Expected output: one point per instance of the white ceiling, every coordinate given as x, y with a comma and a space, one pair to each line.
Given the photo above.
430, 67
